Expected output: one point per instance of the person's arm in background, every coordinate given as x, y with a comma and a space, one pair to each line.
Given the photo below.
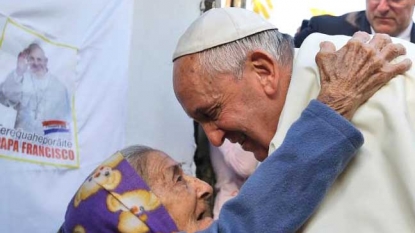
242, 162
289, 185
232, 166
303, 31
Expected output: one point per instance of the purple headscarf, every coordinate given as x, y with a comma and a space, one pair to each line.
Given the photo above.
114, 198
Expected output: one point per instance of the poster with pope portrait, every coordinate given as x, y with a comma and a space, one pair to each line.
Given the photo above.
37, 83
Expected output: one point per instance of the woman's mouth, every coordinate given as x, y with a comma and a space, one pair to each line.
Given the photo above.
200, 217
242, 140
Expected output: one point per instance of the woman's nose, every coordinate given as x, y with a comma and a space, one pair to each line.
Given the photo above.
203, 190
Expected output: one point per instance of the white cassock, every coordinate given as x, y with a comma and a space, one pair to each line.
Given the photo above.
376, 192
35, 100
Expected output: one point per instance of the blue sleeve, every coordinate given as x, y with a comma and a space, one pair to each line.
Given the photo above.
289, 185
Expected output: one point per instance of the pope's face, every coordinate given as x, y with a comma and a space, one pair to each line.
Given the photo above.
37, 61
225, 106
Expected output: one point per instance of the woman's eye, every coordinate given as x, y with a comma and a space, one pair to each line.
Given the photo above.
179, 178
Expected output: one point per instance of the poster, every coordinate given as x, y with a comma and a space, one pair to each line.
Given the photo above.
37, 84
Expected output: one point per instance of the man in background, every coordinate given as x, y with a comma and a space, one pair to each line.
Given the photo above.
392, 17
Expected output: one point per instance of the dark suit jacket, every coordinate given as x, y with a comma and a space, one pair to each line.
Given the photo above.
346, 24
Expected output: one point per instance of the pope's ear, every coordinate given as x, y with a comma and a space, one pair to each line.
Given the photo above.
265, 68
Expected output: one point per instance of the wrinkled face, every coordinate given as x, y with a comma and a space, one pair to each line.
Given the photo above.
184, 196
389, 16
37, 61
240, 110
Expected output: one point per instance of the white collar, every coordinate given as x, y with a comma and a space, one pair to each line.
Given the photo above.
405, 35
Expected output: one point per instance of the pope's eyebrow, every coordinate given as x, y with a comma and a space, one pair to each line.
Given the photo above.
206, 112
201, 111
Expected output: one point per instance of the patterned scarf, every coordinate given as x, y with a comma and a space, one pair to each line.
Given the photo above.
114, 198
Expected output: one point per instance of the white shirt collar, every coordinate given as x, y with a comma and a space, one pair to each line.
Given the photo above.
273, 145
405, 35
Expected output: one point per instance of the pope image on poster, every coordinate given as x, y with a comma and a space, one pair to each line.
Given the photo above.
38, 97
37, 92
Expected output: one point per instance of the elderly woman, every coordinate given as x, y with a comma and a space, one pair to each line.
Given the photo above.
140, 189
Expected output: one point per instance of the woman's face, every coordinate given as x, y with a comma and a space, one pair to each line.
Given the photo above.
184, 197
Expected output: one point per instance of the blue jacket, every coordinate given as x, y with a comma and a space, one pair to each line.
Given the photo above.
288, 186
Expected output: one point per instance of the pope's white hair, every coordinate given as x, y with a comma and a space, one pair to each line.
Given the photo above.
230, 57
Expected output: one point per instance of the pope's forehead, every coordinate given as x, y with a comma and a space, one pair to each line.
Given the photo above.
37, 52
187, 74
186, 65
